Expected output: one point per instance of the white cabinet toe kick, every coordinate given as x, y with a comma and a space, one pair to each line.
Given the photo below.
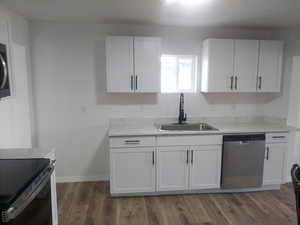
182, 164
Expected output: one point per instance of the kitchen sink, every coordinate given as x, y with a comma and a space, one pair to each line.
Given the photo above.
187, 127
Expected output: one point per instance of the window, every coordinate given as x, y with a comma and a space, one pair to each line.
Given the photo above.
178, 73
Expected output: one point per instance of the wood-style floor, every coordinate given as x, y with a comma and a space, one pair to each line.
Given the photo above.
90, 204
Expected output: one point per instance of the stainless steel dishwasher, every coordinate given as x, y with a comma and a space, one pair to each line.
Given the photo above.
243, 161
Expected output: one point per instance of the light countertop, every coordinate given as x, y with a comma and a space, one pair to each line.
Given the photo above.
26, 153
147, 127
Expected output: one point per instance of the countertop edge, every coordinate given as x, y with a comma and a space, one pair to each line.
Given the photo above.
167, 133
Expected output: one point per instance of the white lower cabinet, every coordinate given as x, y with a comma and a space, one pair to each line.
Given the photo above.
187, 163
132, 170
273, 166
150, 164
173, 168
189, 167
205, 167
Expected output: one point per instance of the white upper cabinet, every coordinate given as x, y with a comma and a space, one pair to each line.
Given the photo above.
241, 65
133, 64
147, 52
217, 65
245, 65
119, 64
270, 66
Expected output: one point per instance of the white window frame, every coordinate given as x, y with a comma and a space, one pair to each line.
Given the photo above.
194, 74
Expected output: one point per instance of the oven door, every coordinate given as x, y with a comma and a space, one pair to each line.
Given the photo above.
33, 207
4, 73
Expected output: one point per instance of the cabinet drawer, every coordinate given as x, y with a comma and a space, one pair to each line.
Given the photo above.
126, 142
189, 140
276, 137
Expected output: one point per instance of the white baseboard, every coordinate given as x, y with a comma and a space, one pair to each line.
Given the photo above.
70, 179
105, 177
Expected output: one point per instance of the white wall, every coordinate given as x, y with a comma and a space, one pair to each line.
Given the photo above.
73, 108
16, 110
279, 106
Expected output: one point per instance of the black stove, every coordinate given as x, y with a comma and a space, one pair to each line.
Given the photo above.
16, 175
25, 193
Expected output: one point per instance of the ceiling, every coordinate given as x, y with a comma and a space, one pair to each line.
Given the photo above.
252, 13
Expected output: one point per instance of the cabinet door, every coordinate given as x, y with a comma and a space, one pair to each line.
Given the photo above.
119, 64
172, 169
217, 65
273, 167
147, 53
245, 65
132, 170
270, 66
205, 170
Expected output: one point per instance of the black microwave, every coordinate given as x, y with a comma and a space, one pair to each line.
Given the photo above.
4, 72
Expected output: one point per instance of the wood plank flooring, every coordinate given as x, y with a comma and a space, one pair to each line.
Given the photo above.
90, 204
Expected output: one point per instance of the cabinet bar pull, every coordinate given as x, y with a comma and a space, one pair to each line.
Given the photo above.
268, 151
136, 82
192, 156
231, 82
132, 142
277, 137
131, 82
259, 82
153, 161
236, 80
187, 157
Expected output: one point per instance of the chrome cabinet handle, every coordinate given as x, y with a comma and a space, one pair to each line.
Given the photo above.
259, 82
231, 82
268, 152
278, 137
236, 80
131, 82
136, 82
187, 156
5, 72
153, 161
192, 156
132, 142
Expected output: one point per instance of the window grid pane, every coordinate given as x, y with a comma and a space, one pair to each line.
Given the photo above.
169, 74
185, 70
178, 73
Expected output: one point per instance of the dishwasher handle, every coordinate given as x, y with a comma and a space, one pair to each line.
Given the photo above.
244, 138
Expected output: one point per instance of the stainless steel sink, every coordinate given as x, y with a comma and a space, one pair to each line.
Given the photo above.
187, 127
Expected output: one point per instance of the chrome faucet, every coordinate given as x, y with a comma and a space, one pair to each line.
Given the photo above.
182, 115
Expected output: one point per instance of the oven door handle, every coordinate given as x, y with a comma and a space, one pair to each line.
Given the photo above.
5, 71
23, 201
